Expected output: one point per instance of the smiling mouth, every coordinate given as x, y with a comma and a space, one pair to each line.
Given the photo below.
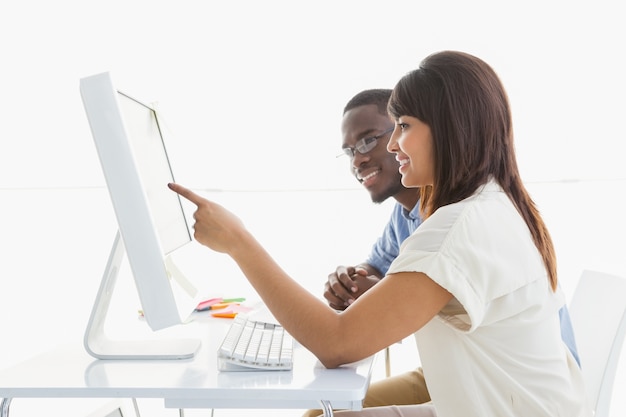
368, 176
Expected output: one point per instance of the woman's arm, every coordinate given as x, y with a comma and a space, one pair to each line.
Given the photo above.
393, 309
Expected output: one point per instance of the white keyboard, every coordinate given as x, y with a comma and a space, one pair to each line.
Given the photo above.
253, 345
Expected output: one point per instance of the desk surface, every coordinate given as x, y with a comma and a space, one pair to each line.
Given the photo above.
69, 372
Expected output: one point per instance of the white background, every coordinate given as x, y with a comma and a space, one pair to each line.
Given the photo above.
252, 93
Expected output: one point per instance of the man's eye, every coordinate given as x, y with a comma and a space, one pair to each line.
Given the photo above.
369, 140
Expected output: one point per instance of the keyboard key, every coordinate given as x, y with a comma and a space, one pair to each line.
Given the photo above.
253, 345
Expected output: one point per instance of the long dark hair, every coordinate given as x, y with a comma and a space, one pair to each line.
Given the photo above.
462, 100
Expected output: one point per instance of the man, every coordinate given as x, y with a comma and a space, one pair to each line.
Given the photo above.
366, 129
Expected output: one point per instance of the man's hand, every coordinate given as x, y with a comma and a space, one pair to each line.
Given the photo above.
347, 284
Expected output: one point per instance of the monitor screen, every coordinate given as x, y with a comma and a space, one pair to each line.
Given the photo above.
150, 218
155, 172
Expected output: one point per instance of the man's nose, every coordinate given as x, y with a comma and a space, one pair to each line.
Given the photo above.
359, 158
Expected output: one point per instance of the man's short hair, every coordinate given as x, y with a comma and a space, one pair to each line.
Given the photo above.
378, 96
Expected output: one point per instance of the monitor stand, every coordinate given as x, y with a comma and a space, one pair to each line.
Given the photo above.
100, 346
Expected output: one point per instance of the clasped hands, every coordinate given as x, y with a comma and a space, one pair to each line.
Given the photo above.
347, 284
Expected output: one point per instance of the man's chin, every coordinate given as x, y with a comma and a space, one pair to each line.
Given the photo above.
382, 196
379, 198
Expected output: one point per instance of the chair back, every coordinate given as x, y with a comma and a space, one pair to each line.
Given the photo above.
598, 313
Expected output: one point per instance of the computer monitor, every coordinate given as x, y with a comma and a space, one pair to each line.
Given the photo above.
151, 221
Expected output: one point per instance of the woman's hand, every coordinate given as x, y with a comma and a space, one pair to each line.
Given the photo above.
215, 227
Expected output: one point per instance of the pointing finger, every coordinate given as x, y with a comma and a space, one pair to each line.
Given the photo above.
185, 193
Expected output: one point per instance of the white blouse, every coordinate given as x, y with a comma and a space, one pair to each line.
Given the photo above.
496, 348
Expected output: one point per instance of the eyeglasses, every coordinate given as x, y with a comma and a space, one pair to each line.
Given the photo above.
364, 145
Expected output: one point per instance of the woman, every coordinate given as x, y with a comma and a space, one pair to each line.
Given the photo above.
476, 283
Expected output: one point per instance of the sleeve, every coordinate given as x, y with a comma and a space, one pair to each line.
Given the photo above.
567, 332
480, 254
387, 246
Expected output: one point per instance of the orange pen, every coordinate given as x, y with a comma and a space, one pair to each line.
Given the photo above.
228, 315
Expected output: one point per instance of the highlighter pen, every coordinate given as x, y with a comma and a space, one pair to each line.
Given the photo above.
205, 305
233, 300
212, 302
230, 315
219, 306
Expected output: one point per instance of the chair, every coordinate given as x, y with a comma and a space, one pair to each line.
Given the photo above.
598, 313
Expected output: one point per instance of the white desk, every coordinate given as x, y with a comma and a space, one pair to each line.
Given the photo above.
69, 372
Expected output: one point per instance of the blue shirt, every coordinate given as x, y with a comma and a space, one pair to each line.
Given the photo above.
401, 224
